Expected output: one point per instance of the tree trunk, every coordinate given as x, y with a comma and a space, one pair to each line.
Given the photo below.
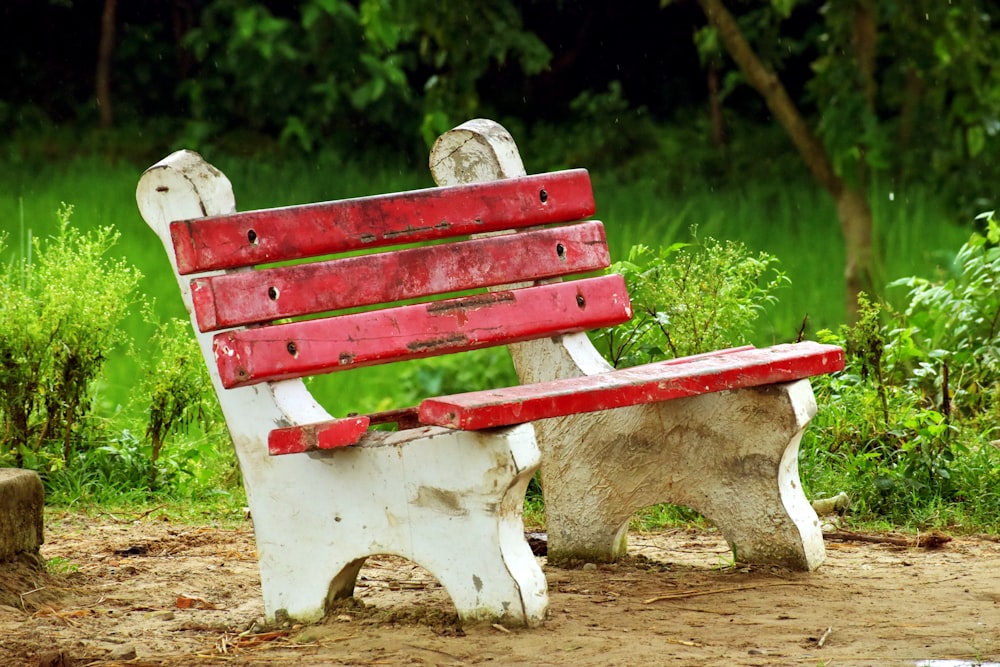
182, 19
853, 209
865, 38
105, 50
715, 108
855, 216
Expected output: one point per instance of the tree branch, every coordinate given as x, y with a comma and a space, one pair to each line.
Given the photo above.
769, 86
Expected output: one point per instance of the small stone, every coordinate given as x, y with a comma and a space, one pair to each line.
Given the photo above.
757, 651
161, 615
590, 566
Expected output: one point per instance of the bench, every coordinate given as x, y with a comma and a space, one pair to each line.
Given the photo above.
732, 455
281, 294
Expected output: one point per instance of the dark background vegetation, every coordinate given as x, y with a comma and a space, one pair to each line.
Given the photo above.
374, 74
50, 51
859, 92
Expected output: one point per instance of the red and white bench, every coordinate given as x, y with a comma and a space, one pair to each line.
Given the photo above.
718, 432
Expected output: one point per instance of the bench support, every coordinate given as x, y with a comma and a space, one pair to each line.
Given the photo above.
733, 456
449, 501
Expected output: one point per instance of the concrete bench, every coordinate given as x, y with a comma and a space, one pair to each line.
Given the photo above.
281, 294
728, 449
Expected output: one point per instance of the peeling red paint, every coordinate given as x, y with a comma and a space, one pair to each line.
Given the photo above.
295, 232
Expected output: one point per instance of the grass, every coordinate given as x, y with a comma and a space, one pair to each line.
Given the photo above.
794, 222
797, 223
790, 220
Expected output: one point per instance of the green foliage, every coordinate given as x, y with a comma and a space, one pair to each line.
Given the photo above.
273, 73
59, 319
864, 343
910, 421
690, 298
177, 389
605, 132
906, 89
449, 51
956, 323
456, 373
329, 67
62, 317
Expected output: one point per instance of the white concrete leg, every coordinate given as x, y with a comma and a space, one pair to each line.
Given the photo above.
449, 501
733, 456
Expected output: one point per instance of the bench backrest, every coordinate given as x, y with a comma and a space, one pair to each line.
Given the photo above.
397, 303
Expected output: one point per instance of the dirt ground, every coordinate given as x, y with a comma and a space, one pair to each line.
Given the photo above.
151, 592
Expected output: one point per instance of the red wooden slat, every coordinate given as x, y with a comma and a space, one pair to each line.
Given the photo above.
321, 435
632, 386
274, 235
298, 349
249, 297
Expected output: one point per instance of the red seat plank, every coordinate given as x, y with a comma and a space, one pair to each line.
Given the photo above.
298, 349
249, 297
632, 386
320, 435
279, 234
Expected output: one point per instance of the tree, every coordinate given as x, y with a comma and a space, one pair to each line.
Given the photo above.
866, 111
852, 205
105, 51
321, 65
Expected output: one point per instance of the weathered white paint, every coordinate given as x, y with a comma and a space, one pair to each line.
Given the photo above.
733, 456
448, 500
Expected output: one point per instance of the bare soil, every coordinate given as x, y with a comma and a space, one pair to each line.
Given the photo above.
152, 592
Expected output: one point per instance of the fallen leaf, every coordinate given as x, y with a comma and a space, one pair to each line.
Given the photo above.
192, 602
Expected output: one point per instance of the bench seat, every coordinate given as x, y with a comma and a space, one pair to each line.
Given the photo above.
722, 370
735, 368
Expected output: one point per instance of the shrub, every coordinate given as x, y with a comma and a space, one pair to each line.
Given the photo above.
690, 298
59, 319
456, 373
908, 424
176, 390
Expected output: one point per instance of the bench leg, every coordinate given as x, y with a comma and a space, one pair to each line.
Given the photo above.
732, 456
449, 501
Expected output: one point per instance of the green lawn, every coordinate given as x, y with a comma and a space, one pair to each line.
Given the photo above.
794, 222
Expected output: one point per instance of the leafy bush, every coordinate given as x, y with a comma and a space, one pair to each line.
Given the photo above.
909, 423
62, 315
177, 391
59, 318
690, 298
956, 324
369, 64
